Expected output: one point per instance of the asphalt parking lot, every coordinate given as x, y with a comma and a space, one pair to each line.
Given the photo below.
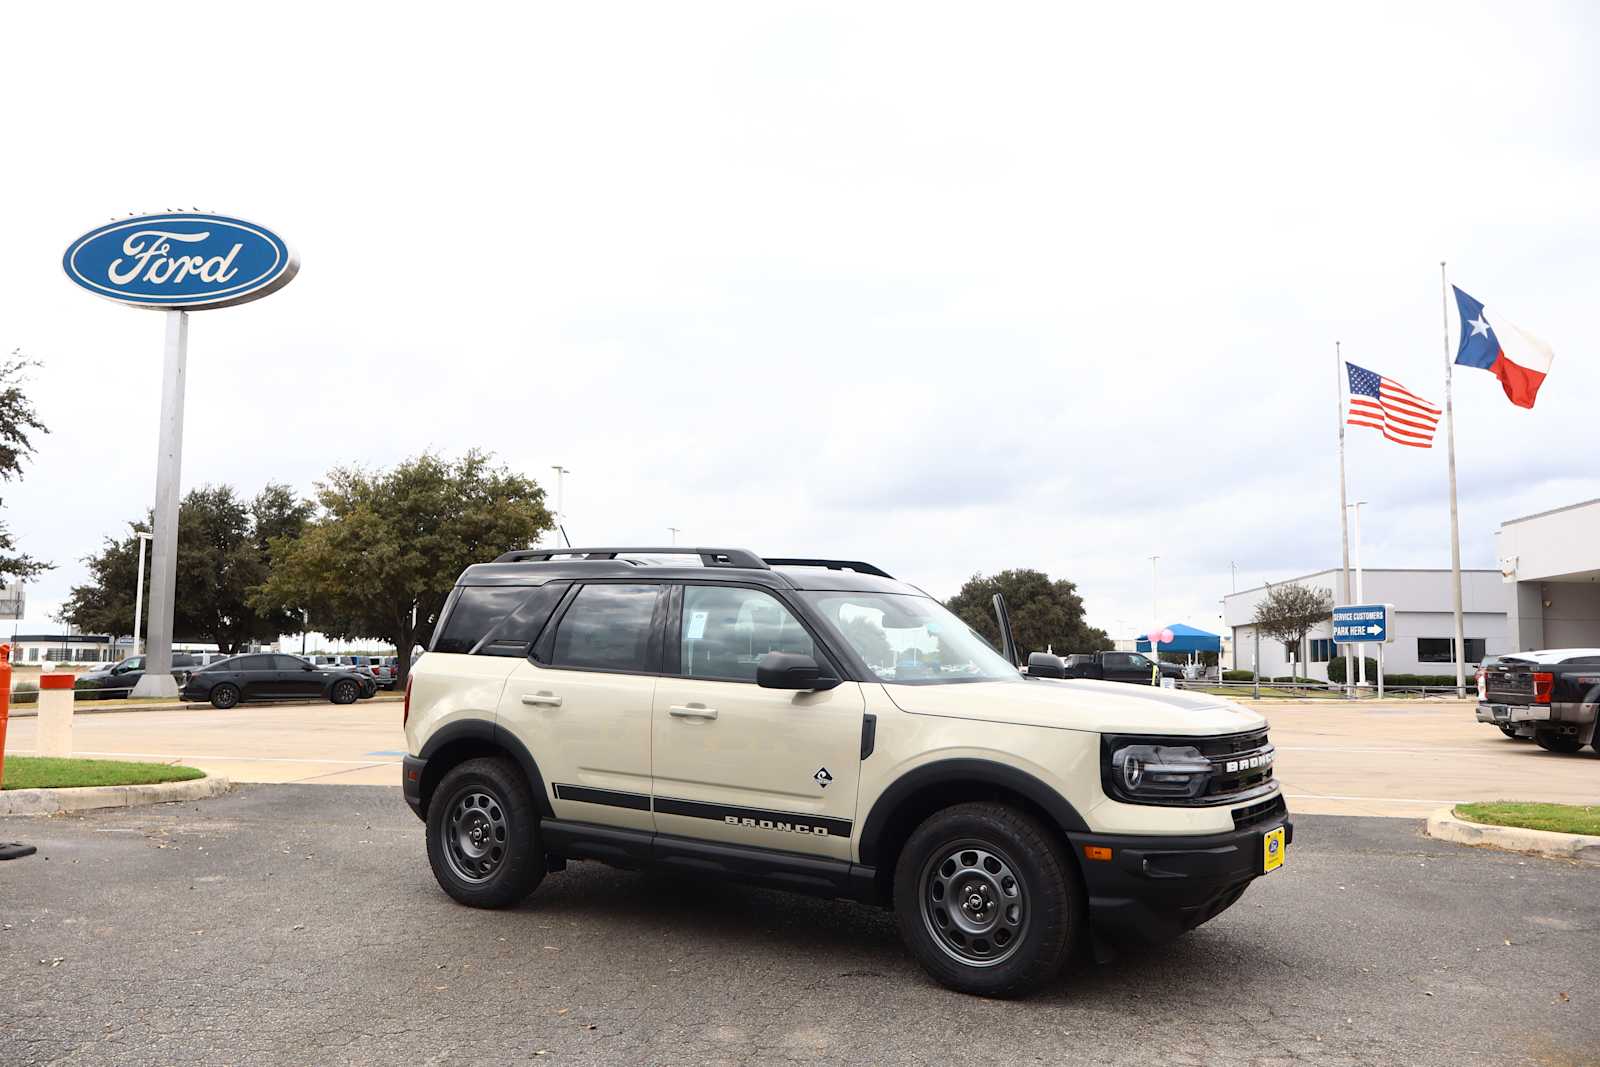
300, 924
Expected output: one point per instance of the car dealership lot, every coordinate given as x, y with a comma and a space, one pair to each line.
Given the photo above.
301, 924
1403, 758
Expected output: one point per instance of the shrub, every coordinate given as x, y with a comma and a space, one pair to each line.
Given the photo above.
1336, 670
1238, 676
25, 693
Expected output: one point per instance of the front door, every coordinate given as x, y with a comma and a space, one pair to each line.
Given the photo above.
297, 678
740, 764
581, 703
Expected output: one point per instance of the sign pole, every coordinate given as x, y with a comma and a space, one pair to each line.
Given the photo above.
138, 593
157, 680
1380, 672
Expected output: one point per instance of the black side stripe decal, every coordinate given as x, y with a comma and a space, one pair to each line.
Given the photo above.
759, 818
611, 798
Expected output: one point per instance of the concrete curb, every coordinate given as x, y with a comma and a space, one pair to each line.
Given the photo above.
1444, 825
112, 707
53, 801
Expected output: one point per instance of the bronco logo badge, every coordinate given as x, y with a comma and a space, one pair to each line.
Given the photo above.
822, 777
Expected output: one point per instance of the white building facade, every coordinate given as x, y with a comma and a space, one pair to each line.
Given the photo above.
1423, 623
1550, 563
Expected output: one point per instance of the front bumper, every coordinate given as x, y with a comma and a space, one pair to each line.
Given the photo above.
1153, 888
411, 770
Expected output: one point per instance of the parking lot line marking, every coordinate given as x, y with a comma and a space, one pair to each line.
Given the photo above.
1384, 800
242, 759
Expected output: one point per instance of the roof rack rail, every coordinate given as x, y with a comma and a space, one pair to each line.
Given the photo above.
832, 564
710, 557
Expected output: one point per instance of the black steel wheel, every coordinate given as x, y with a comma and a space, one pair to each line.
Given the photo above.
224, 695
483, 834
345, 692
988, 899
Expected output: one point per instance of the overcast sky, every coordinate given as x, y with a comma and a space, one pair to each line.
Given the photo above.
948, 288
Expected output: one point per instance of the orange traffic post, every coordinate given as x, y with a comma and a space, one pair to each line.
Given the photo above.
5, 704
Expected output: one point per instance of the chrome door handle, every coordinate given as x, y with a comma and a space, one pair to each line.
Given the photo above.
692, 711
548, 700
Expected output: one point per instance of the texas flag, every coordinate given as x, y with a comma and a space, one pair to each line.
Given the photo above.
1520, 360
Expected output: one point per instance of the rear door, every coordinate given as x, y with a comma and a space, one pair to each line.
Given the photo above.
258, 677
581, 701
739, 764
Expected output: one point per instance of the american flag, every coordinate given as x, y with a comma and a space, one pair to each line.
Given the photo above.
1390, 408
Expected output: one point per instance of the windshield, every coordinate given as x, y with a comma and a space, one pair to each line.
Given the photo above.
910, 640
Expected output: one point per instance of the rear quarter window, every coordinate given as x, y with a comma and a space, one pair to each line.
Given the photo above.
478, 609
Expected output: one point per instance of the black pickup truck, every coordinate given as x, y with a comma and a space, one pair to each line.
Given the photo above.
1133, 667
1551, 695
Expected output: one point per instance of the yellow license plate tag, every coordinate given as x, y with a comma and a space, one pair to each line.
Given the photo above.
1272, 850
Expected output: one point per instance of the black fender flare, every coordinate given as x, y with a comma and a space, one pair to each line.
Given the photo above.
961, 772
481, 730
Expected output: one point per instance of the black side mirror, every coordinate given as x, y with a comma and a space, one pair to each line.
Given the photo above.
789, 670
1044, 665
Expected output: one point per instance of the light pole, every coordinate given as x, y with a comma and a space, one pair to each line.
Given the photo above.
138, 590
1361, 649
1233, 568
674, 531
1155, 604
561, 476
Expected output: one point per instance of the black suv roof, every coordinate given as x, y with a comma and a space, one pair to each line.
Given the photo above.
538, 565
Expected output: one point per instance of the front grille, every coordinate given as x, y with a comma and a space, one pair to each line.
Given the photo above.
1265, 811
1242, 767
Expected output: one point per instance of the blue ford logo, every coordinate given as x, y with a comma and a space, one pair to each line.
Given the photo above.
181, 261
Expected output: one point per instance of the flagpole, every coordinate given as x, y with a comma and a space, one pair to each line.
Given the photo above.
1339, 377
1455, 525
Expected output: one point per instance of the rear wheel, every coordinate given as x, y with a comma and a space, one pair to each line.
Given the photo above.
483, 835
988, 900
345, 692
1562, 743
224, 696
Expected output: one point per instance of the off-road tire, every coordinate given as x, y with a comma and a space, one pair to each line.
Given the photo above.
225, 696
1562, 743
494, 795
1049, 888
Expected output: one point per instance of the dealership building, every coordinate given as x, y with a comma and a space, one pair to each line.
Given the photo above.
1423, 623
1551, 565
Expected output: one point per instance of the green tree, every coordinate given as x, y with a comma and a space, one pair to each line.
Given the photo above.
381, 556
1044, 613
19, 421
1289, 612
223, 556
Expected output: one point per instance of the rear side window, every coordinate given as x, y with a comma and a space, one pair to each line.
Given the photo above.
478, 609
519, 630
607, 628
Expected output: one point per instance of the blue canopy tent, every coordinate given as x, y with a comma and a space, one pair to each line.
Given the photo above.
1184, 639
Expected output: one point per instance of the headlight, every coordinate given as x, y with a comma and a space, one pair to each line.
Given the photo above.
1160, 771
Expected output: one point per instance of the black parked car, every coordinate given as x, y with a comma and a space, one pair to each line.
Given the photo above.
274, 676
119, 679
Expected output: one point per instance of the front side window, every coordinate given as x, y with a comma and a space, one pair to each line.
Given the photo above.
726, 630
478, 609
1138, 662
909, 639
607, 628
288, 663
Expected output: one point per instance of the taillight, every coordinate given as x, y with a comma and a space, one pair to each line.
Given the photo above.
1543, 683
405, 711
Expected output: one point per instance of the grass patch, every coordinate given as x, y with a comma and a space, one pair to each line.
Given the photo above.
1562, 818
42, 772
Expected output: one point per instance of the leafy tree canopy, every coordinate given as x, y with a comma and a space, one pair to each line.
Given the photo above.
388, 544
1044, 613
223, 556
1288, 612
19, 421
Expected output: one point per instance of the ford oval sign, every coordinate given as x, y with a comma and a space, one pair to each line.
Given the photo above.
181, 261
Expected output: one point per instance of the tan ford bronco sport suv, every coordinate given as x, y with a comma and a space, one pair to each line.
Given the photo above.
815, 725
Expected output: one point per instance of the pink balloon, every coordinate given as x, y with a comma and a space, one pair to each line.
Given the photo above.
1166, 637
1154, 637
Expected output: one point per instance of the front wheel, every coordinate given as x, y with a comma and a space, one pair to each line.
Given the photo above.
224, 696
988, 900
483, 835
1561, 743
345, 692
